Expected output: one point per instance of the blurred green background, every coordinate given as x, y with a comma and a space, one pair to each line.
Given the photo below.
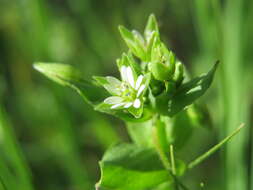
50, 139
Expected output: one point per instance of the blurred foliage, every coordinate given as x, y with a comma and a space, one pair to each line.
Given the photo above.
61, 139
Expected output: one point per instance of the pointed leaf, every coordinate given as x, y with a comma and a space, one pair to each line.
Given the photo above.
141, 133
67, 75
190, 91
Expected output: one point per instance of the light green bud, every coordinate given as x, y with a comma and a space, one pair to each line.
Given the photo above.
179, 73
162, 64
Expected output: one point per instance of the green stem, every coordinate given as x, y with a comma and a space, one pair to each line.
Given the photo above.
161, 145
173, 168
172, 159
213, 149
160, 141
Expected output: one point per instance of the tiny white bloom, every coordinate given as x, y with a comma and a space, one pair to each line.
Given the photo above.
128, 91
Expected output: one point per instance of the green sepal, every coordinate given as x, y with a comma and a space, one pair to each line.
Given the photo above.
128, 60
149, 45
100, 80
124, 114
133, 64
160, 71
136, 112
162, 64
156, 86
151, 26
132, 42
106, 82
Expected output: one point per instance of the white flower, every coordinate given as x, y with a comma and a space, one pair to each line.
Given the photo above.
128, 92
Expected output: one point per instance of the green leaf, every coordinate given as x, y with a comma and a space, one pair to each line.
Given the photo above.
141, 133
190, 91
67, 75
127, 166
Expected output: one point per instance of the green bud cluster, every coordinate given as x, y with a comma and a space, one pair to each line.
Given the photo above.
151, 79
167, 71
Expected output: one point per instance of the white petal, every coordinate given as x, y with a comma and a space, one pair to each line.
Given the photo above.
113, 81
127, 105
130, 77
113, 100
138, 82
137, 103
117, 105
142, 87
123, 71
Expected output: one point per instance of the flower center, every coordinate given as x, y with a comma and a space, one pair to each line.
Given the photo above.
128, 92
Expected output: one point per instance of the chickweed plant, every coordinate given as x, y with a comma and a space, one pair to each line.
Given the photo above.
152, 94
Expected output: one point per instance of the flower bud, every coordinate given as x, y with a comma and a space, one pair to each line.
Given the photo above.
179, 73
162, 64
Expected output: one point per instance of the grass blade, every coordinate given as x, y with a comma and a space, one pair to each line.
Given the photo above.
13, 151
213, 149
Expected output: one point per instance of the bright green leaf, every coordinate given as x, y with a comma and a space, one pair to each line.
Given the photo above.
67, 75
141, 133
127, 166
190, 91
